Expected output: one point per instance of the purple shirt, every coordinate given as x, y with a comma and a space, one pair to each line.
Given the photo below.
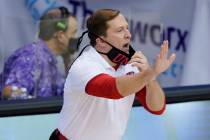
34, 67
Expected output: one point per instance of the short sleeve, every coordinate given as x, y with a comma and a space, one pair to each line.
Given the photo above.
79, 75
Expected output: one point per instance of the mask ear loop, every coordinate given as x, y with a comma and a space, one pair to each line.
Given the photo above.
80, 39
78, 44
131, 50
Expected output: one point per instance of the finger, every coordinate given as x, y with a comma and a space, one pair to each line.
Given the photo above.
157, 58
162, 50
139, 57
166, 49
138, 54
140, 66
171, 58
137, 60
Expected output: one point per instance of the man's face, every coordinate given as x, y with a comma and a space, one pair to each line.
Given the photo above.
71, 31
118, 34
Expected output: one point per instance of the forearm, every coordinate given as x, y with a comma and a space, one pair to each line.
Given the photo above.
155, 97
130, 84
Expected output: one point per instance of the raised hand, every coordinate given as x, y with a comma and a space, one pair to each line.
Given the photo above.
162, 62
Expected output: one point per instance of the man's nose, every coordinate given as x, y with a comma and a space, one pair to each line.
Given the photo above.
128, 34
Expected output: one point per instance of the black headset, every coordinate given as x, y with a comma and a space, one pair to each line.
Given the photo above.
63, 24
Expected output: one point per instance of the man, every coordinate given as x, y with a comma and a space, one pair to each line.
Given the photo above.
103, 81
33, 67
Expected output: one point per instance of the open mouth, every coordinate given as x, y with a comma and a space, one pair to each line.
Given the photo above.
126, 47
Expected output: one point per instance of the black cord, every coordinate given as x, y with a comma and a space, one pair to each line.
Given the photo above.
78, 44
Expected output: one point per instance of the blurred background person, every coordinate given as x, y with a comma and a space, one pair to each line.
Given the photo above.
32, 69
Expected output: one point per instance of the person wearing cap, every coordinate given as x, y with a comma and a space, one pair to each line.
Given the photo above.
104, 80
33, 66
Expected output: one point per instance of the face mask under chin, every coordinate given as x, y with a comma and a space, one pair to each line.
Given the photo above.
117, 56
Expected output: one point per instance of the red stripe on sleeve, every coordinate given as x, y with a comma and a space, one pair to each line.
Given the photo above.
103, 85
141, 96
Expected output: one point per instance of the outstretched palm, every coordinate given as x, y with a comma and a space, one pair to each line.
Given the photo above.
162, 62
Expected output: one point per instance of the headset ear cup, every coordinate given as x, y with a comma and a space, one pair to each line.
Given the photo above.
62, 25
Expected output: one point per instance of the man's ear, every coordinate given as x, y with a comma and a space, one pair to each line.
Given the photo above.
102, 46
100, 42
60, 35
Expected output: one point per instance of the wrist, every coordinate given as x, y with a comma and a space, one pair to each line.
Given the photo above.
153, 75
149, 74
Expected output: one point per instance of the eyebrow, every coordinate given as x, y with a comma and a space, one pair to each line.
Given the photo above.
122, 26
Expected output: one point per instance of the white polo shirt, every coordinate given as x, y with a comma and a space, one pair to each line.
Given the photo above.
87, 117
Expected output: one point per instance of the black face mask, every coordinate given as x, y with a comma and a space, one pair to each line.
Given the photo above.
73, 44
117, 56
